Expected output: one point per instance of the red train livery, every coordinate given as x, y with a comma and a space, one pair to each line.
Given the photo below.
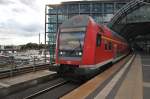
83, 46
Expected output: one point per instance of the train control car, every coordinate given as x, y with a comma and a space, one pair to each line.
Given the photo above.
83, 46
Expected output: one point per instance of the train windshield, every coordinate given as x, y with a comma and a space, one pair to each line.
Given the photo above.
71, 40
71, 43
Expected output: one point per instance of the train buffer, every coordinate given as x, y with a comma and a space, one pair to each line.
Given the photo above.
125, 83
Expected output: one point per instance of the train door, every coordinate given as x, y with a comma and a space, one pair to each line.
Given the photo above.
115, 51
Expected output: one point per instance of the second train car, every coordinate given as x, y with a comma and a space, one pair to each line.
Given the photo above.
83, 46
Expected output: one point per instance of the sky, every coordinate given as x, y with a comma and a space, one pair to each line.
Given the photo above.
21, 21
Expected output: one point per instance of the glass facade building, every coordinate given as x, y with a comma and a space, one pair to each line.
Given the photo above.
101, 10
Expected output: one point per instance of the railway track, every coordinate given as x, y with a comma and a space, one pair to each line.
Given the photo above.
23, 70
52, 89
45, 90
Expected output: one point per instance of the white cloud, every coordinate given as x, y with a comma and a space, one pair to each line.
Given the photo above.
22, 20
21, 23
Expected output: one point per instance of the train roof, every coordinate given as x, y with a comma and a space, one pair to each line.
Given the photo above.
114, 33
76, 21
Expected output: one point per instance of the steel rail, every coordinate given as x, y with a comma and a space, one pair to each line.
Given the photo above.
45, 90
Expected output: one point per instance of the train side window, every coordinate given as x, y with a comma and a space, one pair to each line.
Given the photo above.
110, 46
98, 40
106, 45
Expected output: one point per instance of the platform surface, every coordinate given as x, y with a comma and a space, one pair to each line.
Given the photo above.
132, 85
146, 75
120, 83
6, 82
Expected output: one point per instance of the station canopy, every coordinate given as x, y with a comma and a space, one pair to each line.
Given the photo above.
133, 20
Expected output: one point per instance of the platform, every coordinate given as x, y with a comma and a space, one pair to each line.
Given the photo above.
6, 82
127, 83
146, 75
21, 82
132, 85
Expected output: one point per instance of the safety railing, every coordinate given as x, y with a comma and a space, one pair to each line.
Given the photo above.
11, 64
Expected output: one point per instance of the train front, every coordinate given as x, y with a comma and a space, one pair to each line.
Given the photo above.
70, 45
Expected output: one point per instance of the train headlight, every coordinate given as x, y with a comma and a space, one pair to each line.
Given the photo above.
61, 53
80, 53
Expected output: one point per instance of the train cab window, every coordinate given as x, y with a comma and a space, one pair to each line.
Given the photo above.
98, 40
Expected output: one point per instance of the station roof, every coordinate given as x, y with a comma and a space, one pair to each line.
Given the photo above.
88, 1
133, 20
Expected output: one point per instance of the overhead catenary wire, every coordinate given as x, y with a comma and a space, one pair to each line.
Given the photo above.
144, 1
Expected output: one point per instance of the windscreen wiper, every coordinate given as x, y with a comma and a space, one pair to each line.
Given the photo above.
74, 49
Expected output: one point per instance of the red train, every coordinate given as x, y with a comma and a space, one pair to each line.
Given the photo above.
83, 46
